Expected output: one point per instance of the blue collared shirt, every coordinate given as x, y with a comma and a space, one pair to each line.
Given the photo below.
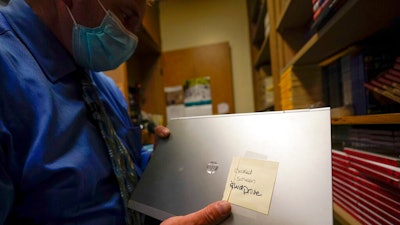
54, 166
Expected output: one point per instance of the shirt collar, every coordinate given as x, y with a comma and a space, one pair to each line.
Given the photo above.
53, 58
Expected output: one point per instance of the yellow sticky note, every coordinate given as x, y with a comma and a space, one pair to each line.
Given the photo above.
250, 183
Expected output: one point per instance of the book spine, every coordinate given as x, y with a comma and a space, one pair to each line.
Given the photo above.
383, 92
388, 170
384, 210
389, 82
376, 175
371, 202
375, 217
392, 161
320, 6
345, 63
357, 81
317, 4
388, 199
392, 90
393, 77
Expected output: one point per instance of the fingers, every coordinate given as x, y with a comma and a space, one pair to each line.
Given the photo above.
212, 214
162, 131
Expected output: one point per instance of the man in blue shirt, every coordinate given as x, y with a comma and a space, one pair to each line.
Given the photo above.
55, 166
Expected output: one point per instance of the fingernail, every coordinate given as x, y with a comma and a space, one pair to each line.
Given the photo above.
165, 131
224, 208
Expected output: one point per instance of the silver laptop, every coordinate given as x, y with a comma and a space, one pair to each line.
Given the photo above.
190, 169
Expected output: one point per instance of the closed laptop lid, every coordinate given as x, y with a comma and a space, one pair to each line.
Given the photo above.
190, 169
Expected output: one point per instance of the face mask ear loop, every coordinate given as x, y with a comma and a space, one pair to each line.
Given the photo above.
72, 17
102, 6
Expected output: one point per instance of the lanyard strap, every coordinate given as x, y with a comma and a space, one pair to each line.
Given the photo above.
124, 168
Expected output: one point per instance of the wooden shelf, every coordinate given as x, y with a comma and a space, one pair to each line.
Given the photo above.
253, 9
343, 217
149, 35
296, 14
263, 56
260, 48
391, 118
147, 46
258, 36
371, 17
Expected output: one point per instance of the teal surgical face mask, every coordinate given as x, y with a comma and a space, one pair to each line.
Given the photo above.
104, 47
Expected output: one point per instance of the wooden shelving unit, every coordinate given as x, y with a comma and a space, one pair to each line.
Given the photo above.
263, 56
260, 51
390, 118
145, 62
371, 17
294, 14
292, 45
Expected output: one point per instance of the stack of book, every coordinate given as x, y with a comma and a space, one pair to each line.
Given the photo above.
323, 10
349, 82
367, 185
318, 5
387, 84
366, 172
301, 88
378, 139
264, 88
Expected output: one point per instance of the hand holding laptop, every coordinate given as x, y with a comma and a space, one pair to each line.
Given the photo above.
212, 214
161, 133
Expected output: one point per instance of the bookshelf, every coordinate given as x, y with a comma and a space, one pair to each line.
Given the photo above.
145, 62
260, 52
331, 38
297, 57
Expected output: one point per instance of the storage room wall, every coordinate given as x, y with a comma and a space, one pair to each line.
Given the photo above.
190, 23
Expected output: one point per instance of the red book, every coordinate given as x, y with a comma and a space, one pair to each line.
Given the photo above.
349, 208
395, 182
366, 198
388, 82
389, 200
340, 173
341, 159
385, 193
340, 164
383, 92
380, 215
392, 171
354, 206
320, 8
393, 90
373, 214
388, 160
382, 190
394, 72
397, 64
391, 76
339, 154
398, 60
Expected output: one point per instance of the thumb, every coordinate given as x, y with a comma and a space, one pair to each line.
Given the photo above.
212, 214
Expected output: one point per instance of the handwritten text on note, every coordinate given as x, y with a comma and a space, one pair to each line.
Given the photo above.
250, 183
